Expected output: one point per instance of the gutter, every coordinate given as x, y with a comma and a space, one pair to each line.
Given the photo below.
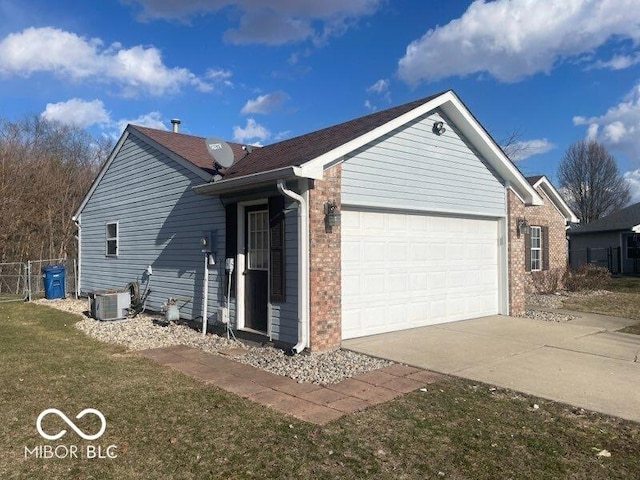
225, 186
303, 266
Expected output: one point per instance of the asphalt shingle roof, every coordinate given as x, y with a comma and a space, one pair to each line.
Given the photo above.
623, 219
291, 152
190, 147
533, 179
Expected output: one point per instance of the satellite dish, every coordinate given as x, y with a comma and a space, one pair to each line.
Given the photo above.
220, 151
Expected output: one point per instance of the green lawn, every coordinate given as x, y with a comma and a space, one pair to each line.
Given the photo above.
624, 301
167, 425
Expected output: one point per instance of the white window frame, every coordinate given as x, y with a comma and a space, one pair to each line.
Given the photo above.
108, 238
536, 249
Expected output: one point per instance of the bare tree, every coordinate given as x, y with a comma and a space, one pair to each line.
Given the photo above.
513, 146
45, 170
590, 179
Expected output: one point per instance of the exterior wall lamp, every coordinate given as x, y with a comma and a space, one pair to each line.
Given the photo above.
331, 214
438, 128
522, 226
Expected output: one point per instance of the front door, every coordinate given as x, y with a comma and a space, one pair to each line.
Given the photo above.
256, 272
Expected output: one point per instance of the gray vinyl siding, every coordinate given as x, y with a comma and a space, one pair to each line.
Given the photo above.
160, 222
284, 316
413, 168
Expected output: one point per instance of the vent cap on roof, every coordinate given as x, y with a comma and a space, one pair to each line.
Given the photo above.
176, 123
220, 151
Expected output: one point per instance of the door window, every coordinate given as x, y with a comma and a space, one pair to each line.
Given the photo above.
258, 237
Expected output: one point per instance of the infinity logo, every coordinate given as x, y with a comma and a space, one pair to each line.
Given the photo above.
71, 424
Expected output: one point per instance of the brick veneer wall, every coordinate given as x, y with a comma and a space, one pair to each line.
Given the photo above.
543, 215
548, 215
325, 287
517, 277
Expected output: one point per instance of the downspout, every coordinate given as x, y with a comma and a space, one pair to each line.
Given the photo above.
79, 239
303, 266
205, 294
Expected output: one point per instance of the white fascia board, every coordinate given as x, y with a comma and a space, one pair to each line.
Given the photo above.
557, 199
486, 146
636, 229
173, 156
225, 186
103, 170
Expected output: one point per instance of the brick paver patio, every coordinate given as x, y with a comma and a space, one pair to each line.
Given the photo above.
306, 401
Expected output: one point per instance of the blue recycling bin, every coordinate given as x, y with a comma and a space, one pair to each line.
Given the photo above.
53, 277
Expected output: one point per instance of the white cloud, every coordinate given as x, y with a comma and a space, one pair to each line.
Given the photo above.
619, 62
381, 86
220, 76
136, 69
369, 106
514, 39
78, 112
151, 120
521, 150
264, 103
619, 127
252, 132
273, 23
633, 179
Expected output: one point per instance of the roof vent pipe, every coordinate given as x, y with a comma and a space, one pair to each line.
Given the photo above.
176, 123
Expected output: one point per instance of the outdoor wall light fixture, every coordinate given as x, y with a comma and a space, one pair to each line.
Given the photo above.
522, 226
438, 128
331, 214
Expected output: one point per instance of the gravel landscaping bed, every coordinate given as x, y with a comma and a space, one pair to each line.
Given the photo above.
535, 301
547, 316
142, 333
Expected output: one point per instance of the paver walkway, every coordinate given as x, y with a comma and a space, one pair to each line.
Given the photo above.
305, 401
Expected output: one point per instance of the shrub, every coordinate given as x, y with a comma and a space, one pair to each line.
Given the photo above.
546, 281
587, 277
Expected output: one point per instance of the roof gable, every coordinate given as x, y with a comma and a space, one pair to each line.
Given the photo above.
626, 219
307, 155
542, 182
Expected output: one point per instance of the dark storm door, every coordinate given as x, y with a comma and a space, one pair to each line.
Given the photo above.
256, 275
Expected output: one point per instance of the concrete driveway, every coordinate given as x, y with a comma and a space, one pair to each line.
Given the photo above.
582, 362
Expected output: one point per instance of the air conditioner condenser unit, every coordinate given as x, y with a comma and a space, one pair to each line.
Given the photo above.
109, 306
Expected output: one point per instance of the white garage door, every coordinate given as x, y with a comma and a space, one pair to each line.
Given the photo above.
402, 271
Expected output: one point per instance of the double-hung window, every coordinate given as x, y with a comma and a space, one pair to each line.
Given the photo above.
111, 239
536, 249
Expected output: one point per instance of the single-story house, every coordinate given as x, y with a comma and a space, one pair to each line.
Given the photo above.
612, 241
405, 217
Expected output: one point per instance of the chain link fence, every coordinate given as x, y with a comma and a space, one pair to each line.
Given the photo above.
14, 283
20, 281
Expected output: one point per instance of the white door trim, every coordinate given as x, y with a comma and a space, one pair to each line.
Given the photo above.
240, 264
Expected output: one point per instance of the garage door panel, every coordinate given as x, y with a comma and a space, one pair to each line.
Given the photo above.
404, 271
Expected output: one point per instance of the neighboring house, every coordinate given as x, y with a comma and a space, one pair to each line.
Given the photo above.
612, 241
402, 218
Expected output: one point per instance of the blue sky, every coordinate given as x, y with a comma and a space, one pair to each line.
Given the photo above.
257, 71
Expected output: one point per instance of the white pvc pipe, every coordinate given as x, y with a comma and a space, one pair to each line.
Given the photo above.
303, 266
205, 294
